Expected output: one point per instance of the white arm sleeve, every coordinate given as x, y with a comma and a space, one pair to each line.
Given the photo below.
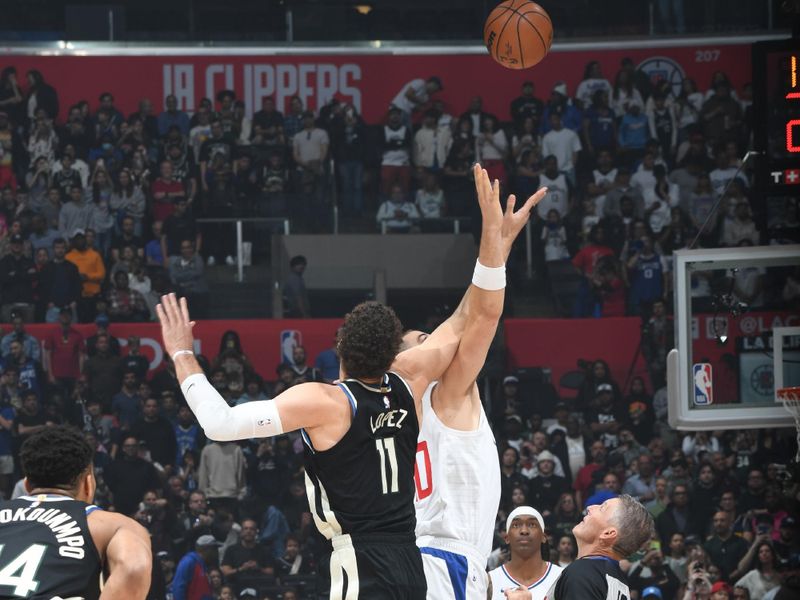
222, 423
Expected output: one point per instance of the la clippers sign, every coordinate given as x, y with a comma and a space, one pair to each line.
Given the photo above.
367, 79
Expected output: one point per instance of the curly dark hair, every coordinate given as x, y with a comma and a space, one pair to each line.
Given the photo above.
55, 457
369, 340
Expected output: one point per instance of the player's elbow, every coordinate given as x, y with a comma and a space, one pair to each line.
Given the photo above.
133, 575
217, 431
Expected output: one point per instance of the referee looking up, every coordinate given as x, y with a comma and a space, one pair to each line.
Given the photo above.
608, 533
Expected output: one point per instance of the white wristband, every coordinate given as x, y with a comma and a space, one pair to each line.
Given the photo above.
179, 352
489, 278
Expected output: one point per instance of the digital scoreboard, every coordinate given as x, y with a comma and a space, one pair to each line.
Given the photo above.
776, 125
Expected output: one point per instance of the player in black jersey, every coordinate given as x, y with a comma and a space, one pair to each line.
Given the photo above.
54, 542
608, 533
360, 433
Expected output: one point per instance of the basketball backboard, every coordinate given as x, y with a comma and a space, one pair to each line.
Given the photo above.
737, 337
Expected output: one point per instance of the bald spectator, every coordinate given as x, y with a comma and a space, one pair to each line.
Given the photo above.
724, 548
103, 371
129, 477
642, 484
157, 433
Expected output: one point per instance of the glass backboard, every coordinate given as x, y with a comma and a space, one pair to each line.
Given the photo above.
737, 332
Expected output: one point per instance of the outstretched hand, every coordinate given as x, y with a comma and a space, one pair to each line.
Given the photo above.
176, 327
488, 199
509, 223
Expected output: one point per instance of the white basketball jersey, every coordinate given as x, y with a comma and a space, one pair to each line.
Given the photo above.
557, 195
502, 581
458, 481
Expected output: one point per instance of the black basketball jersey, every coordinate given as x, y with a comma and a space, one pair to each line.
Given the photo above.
591, 578
46, 550
365, 483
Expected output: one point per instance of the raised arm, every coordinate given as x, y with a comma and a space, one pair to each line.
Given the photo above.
457, 382
426, 363
308, 405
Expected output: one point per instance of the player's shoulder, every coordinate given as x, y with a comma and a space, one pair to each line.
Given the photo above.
104, 525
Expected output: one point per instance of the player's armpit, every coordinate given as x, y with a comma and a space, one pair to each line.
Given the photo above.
127, 554
310, 405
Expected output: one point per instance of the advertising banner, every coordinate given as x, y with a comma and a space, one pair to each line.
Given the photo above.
266, 343
368, 80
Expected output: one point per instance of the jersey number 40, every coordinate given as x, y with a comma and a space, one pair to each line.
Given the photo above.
423, 477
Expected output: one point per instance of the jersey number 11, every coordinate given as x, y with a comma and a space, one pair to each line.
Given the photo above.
386, 450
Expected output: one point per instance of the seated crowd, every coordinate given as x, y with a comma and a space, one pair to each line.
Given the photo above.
633, 169
721, 500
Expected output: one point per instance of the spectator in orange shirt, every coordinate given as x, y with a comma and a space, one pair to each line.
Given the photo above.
92, 272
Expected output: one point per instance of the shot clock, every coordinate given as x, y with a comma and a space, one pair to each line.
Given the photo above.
776, 128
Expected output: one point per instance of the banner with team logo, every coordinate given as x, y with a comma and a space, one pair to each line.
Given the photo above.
738, 371
266, 343
367, 79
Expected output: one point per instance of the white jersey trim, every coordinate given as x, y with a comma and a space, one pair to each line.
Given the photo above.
534, 584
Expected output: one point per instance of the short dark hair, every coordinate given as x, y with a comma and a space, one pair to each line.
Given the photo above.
55, 457
298, 260
369, 340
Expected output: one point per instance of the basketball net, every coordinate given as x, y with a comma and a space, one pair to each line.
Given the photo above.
790, 398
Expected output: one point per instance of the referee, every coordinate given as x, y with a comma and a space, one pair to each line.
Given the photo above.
608, 533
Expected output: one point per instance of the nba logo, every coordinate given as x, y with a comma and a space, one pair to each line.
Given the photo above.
703, 384
290, 339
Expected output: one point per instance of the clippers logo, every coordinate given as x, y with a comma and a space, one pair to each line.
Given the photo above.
661, 68
703, 385
290, 339
787, 177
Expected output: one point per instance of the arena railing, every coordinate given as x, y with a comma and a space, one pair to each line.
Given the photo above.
454, 221
238, 221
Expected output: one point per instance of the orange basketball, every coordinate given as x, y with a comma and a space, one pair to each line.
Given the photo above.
518, 33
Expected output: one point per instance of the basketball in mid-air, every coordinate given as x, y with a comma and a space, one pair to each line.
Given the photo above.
518, 33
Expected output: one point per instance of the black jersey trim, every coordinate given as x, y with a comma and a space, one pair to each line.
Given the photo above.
405, 383
384, 388
307, 440
349, 394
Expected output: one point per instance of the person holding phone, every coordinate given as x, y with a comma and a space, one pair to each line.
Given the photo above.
652, 570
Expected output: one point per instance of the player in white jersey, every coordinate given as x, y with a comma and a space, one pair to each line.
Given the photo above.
527, 570
457, 472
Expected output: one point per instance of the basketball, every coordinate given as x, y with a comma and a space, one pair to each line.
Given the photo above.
518, 34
